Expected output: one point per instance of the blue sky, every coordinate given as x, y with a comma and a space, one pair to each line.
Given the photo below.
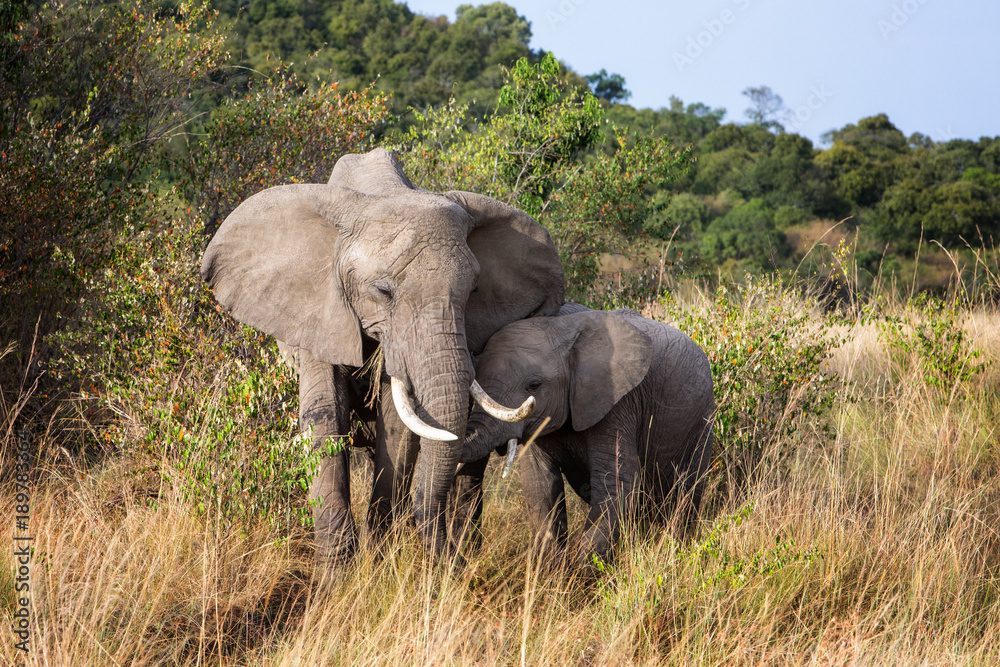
932, 66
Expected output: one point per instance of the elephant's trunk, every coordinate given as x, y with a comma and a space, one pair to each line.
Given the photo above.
485, 433
441, 380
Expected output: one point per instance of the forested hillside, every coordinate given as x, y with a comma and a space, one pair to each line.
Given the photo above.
422, 60
752, 190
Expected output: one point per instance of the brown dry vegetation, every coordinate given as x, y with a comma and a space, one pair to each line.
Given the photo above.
879, 544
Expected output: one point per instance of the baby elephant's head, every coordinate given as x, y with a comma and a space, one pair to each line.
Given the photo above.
577, 366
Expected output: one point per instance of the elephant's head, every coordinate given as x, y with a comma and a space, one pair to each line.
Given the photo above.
430, 276
577, 366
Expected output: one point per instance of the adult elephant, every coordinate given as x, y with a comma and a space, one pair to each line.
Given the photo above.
369, 266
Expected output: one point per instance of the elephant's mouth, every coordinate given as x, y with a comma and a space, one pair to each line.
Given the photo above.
408, 413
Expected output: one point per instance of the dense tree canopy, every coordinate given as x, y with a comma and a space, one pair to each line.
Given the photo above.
895, 189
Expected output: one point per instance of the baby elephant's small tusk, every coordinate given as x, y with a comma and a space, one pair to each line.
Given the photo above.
408, 413
500, 412
509, 461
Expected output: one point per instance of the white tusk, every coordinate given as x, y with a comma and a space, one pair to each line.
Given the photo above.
500, 412
404, 406
509, 461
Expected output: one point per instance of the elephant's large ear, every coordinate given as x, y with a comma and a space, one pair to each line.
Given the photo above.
520, 275
608, 359
271, 265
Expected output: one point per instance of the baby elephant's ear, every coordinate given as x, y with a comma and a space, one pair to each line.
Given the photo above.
608, 360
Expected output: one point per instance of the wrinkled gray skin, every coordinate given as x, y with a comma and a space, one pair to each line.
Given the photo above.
631, 408
332, 271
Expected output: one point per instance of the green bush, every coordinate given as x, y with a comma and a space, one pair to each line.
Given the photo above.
520, 153
769, 365
930, 329
644, 588
746, 234
178, 381
529, 153
789, 216
89, 90
685, 214
281, 131
605, 205
182, 383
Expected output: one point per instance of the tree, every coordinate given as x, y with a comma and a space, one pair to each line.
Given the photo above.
610, 87
766, 109
946, 213
684, 213
875, 136
94, 89
726, 157
747, 234
530, 152
788, 176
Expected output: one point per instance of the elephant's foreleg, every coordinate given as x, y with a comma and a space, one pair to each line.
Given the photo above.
467, 504
545, 497
323, 408
614, 482
395, 455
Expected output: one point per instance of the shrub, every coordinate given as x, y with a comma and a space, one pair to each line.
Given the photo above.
280, 131
89, 90
747, 234
522, 151
177, 380
643, 588
529, 153
930, 330
769, 361
607, 202
685, 213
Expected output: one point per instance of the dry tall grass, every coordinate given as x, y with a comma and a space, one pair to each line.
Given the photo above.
878, 546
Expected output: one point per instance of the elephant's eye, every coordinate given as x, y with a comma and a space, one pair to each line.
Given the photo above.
383, 289
533, 384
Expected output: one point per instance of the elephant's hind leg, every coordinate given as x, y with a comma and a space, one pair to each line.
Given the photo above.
691, 477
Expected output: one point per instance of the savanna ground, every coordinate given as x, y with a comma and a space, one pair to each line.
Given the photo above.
852, 517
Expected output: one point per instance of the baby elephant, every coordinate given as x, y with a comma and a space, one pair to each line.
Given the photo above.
631, 407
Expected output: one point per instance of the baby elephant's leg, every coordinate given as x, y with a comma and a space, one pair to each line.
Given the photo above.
691, 476
545, 497
614, 483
